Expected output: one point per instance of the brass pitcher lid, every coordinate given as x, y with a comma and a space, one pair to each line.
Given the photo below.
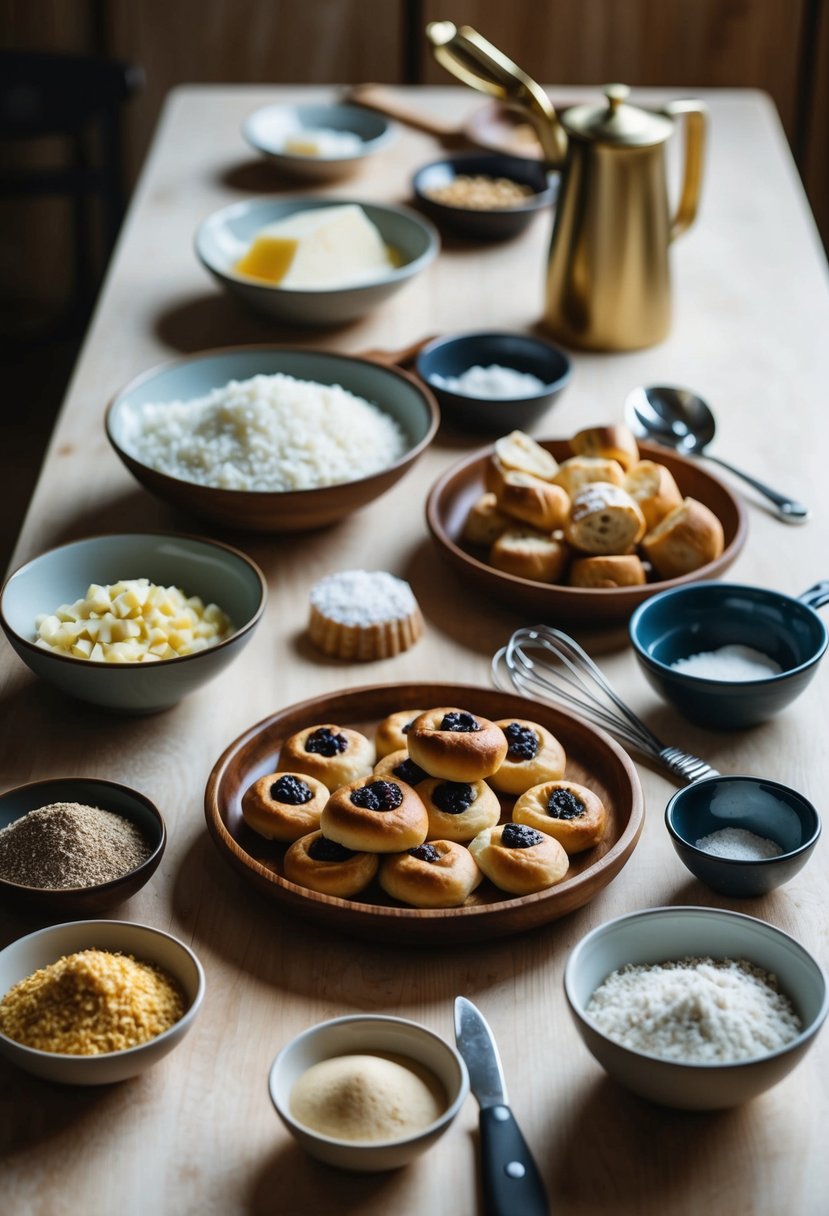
616, 122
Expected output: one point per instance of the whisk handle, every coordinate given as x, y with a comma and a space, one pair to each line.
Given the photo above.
682, 764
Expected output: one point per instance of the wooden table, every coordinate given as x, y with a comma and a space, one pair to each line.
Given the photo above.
197, 1133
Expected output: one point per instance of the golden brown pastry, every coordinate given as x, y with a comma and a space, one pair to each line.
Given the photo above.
456, 745
399, 766
322, 865
604, 519
522, 453
533, 755
284, 806
332, 754
614, 442
392, 732
570, 812
542, 504
687, 538
580, 471
364, 615
458, 810
654, 488
485, 521
526, 553
439, 874
611, 570
375, 816
519, 859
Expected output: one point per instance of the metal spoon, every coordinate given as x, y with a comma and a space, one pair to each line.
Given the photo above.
681, 420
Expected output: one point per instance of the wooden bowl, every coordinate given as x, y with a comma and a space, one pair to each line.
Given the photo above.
460, 486
593, 759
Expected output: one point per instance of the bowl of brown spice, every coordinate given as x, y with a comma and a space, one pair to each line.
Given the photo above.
92, 1002
76, 845
485, 196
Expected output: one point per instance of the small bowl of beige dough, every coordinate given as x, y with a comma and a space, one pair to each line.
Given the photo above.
367, 1092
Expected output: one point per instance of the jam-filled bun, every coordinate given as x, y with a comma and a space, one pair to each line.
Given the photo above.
392, 731
284, 806
456, 745
333, 754
375, 816
439, 874
533, 755
399, 766
458, 810
519, 859
322, 865
572, 813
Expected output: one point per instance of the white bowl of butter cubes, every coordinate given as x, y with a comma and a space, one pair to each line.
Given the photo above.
314, 261
317, 141
133, 622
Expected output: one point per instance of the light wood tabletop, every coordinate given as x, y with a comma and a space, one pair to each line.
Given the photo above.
197, 1133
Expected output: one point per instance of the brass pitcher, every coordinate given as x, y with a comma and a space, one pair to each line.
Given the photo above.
608, 278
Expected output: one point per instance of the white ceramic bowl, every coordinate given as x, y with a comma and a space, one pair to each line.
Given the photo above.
267, 128
359, 1034
662, 934
28, 954
197, 566
225, 235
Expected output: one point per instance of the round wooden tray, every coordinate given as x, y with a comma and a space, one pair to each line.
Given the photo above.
593, 759
460, 486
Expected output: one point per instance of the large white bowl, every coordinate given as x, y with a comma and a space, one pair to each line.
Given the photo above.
358, 1034
216, 572
225, 235
662, 934
29, 954
267, 128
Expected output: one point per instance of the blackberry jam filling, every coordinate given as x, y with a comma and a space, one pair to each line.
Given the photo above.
520, 836
291, 791
426, 852
453, 797
562, 804
323, 849
323, 742
459, 722
378, 796
522, 742
409, 772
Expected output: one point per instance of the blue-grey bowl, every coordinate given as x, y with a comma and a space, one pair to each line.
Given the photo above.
267, 128
766, 808
453, 355
497, 223
702, 617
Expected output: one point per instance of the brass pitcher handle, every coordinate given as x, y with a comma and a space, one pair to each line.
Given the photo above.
696, 129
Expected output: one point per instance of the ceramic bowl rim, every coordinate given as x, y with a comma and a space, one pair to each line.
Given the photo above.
536, 202
442, 1121
370, 146
738, 862
97, 665
441, 342
800, 1040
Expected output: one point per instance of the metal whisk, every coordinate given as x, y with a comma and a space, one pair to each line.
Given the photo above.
547, 664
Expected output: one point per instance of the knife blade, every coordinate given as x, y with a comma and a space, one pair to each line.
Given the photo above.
511, 1182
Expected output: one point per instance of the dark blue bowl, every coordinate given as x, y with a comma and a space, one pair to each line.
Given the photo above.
702, 617
766, 808
454, 355
499, 223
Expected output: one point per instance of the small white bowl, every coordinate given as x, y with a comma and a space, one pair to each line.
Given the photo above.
197, 566
29, 954
267, 128
362, 1033
661, 934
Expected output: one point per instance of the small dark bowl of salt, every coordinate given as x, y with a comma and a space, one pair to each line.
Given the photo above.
728, 656
742, 836
494, 381
76, 845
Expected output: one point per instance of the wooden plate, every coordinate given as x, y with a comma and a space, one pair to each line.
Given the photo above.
593, 759
460, 486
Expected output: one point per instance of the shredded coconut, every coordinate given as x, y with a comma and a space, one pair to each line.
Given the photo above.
268, 433
495, 383
733, 662
359, 597
738, 844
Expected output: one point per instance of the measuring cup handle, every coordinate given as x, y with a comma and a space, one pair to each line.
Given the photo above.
696, 129
816, 596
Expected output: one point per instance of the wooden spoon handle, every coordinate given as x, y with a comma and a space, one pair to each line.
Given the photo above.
396, 358
376, 97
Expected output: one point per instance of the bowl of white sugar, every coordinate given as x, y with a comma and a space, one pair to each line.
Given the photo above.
742, 836
695, 1008
730, 656
270, 439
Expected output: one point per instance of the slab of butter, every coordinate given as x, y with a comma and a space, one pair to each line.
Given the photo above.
328, 247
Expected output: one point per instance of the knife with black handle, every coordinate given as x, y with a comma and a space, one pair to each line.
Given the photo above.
511, 1182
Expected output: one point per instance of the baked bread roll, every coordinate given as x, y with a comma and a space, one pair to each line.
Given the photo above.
580, 471
604, 519
321, 865
375, 816
534, 755
572, 813
614, 442
521, 452
456, 745
485, 521
332, 754
654, 488
439, 874
399, 766
518, 859
530, 554
284, 806
543, 504
687, 538
458, 810
392, 731
612, 570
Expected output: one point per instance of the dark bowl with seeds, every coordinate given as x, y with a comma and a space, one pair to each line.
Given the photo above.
76, 845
